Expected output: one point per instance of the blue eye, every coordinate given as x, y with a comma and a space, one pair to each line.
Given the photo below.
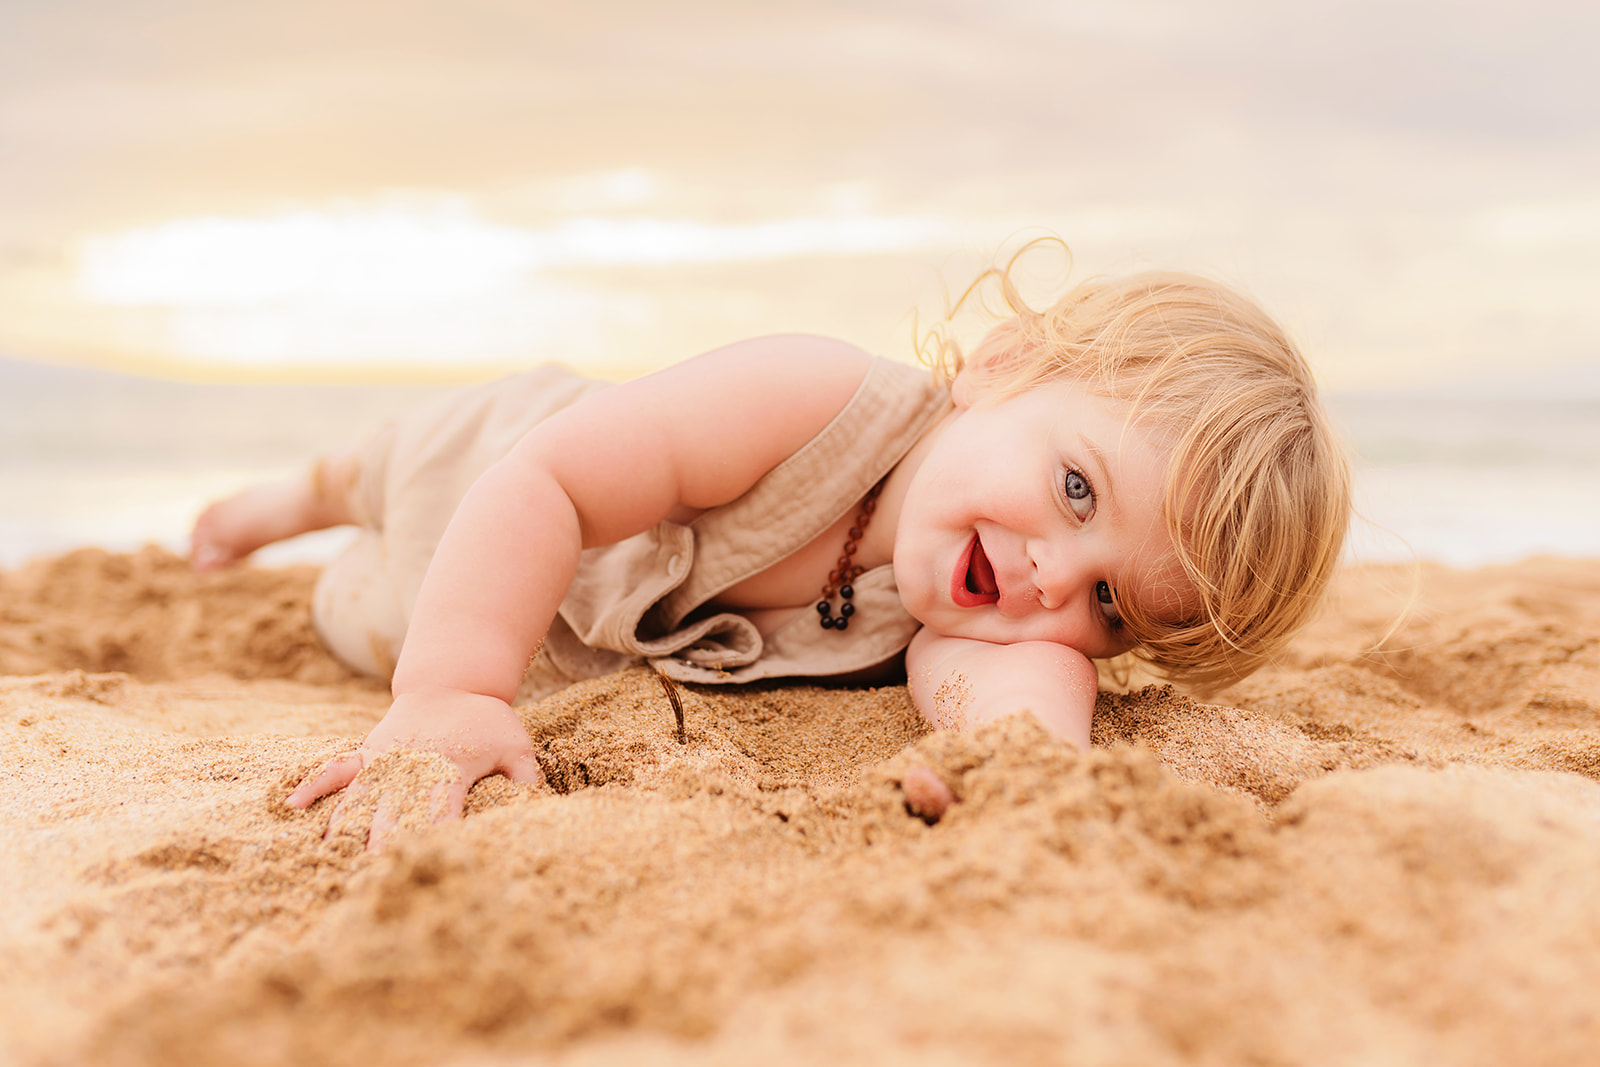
1079, 493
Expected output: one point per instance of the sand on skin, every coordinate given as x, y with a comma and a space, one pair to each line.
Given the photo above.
1356, 856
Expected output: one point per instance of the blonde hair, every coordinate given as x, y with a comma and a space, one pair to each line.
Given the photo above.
1257, 498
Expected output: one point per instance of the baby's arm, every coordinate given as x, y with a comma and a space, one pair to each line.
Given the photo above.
959, 683
689, 438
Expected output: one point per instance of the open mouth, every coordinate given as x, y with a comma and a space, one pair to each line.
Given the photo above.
975, 583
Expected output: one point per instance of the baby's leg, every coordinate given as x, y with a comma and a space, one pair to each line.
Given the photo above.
357, 609
232, 528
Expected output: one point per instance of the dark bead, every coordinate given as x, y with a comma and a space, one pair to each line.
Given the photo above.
847, 609
829, 622
848, 591
823, 607
841, 624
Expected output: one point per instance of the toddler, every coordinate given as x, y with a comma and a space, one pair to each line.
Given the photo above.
1144, 467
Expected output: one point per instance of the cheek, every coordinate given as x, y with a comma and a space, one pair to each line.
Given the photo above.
914, 566
914, 598
954, 461
1076, 632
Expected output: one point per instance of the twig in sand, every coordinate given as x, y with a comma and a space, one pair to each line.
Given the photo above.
677, 704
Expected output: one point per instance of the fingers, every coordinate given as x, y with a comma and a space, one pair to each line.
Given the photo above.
384, 823
207, 557
373, 804
365, 811
524, 770
448, 800
341, 814
203, 554
927, 795
334, 776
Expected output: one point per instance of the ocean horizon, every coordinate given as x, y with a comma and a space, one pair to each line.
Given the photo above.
1467, 475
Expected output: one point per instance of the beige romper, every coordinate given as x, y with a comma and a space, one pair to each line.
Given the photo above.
645, 599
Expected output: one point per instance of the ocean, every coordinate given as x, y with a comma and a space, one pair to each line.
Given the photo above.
1471, 476
1464, 476
92, 457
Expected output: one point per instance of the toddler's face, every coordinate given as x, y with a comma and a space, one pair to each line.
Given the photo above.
1034, 518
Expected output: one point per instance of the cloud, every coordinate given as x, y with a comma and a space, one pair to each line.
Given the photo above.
438, 252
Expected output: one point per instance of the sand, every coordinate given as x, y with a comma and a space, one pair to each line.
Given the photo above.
1362, 855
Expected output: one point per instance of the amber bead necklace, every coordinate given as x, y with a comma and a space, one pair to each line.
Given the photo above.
848, 570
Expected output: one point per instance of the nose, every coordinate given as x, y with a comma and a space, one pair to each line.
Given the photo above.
1058, 573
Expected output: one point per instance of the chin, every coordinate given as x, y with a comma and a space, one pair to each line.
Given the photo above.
926, 618
926, 611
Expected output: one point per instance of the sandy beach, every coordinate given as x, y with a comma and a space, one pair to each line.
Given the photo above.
1362, 855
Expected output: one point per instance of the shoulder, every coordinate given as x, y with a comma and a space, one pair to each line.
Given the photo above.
704, 430
768, 393
799, 366
782, 377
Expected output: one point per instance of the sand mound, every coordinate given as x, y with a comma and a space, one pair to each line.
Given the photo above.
148, 615
1359, 856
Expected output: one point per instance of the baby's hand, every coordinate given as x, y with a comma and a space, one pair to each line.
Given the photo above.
478, 735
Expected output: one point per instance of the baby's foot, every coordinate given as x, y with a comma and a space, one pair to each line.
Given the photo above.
231, 529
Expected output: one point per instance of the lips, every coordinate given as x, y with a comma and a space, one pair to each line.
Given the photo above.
973, 582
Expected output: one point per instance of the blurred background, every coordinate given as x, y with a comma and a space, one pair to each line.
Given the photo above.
233, 233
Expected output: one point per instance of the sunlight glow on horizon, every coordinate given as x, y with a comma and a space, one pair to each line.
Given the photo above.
410, 280
413, 280
438, 252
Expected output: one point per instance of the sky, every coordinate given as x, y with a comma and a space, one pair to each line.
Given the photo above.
353, 189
